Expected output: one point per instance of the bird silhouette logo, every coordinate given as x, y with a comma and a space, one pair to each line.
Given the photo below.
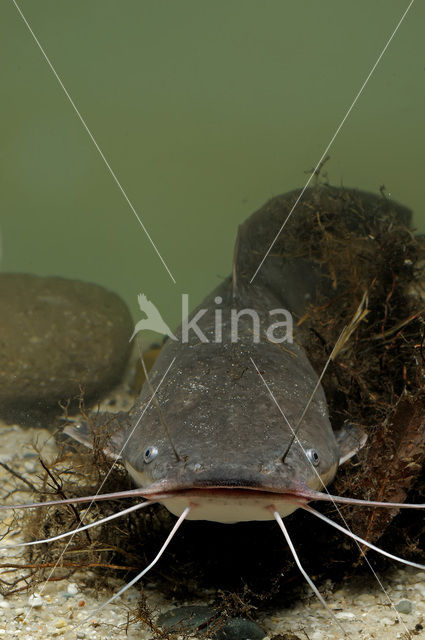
153, 320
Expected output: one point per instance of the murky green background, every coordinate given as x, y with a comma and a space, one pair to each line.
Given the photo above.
204, 110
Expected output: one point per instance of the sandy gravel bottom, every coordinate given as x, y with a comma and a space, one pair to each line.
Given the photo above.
69, 610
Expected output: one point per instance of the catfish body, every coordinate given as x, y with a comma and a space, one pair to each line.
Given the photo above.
214, 427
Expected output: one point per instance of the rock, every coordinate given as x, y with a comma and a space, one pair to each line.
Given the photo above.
239, 629
72, 589
187, 618
404, 606
345, 615
35, 600
204, 619
58, 335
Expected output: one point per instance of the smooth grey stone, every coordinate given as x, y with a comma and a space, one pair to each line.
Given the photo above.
57, 335
187, 618
240, 629
190, 618
404, 606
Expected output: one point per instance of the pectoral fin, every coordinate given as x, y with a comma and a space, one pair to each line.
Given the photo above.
350, 439
109, 428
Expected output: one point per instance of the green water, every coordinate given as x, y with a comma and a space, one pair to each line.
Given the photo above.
204, 111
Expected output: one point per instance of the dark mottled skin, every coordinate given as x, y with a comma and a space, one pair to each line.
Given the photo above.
225, 426
223, 422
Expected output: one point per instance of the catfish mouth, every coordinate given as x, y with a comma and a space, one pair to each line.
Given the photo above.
229, 484
233, 495
164, 489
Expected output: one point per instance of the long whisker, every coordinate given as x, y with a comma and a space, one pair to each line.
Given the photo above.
130, 493
125, 494
124, 512
328, 497
310, 494
304, 573
145, 570
359, 539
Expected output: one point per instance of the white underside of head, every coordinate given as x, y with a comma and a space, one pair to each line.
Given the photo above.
229, 506
230, 509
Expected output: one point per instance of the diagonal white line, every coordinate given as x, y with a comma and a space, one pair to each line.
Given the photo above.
145, 570
338, 510
92, 138
118, 455
304, 573
78, 529
338, 129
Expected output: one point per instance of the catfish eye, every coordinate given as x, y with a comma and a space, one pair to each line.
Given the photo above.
312, 456
150, 454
